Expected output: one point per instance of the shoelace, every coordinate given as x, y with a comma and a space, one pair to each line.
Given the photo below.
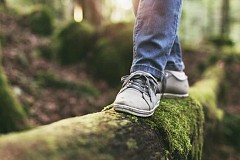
142, 83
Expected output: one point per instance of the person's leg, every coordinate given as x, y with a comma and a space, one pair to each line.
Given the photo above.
176, 82
174, 60
155, 32
135, 6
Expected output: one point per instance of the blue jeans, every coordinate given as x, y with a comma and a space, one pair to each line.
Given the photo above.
156, 43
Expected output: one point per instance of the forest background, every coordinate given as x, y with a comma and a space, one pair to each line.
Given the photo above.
65, 58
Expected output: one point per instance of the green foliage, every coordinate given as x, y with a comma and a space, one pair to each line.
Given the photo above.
46, 52
5, 39
40, 21
231, 129
206, 91
74, 42
220, 41
211, 60
12, 115
50, 80
232, 58
113, 54
2, 39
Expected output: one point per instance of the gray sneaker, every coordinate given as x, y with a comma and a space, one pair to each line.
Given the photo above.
176, 84
140, 95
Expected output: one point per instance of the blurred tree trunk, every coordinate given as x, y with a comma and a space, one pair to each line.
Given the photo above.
2, 2
12, 115
211, 25
225, 19
92, 11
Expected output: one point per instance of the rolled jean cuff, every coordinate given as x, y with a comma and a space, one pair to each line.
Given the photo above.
175, 67
153, 71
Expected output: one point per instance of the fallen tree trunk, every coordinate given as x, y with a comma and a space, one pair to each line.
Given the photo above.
173, 132
221, 130
206, 92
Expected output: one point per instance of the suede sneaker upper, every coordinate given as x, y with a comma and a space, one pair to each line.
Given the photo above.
140, 94
176, 84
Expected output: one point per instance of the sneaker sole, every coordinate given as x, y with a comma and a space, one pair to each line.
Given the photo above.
170, 95
134, 111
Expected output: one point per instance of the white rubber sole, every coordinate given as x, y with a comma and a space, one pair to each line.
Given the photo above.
170, 95
135, 111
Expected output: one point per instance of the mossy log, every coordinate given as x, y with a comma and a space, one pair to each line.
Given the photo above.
12, 115
173, 132
219, 127
207, 89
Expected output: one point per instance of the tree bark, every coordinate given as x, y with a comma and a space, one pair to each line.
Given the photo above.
3, 3
92, 11
225, 19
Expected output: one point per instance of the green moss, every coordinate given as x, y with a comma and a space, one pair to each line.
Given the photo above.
177, 122
220, 41
115, 124
46, 51
74, 42
48, 79
12, 115
40, 21
134, 119
180, 119
91, 133
206, 91
113, 53
230, 130
132, 144
107, 107
2, 39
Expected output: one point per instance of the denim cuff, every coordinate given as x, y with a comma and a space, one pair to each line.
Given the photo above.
175, 66
153, 71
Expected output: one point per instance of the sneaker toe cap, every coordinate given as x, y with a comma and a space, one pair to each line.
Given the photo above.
131, 98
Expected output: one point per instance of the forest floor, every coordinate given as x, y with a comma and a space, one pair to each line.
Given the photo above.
48, 91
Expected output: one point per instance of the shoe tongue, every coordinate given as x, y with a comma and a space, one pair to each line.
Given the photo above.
139, 79
142, 77
146, 75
